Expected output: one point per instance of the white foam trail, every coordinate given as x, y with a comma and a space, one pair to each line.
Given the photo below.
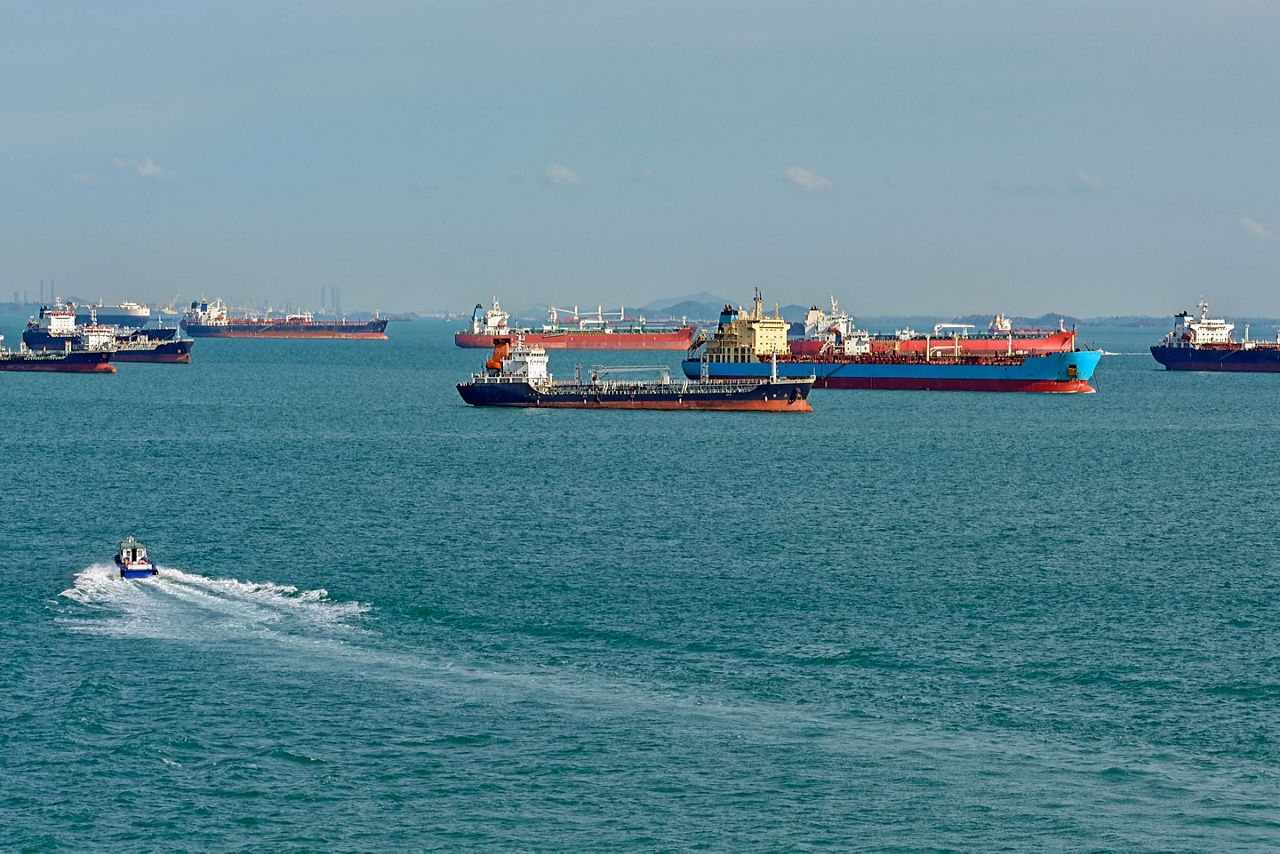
183, 606
273, 601
121, 607
175, 604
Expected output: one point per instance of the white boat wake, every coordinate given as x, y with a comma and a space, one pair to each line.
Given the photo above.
174, 604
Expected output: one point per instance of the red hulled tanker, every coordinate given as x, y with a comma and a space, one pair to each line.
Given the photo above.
574, 332
212, 320
749, 345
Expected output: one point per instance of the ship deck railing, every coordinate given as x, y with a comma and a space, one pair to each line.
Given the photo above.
621, 387
911, 357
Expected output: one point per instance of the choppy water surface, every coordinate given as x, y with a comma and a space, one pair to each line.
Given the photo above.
385, 620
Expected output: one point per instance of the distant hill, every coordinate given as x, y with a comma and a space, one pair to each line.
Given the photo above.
672, 304
708, 312
1044, 321
695, 311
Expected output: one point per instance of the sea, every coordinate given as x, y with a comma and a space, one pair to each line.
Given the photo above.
387, 621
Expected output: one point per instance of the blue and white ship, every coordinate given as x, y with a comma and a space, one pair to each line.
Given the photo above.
57, 329
1208, 344
132, 559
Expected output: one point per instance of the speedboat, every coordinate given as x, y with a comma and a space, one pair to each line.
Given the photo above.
133, 561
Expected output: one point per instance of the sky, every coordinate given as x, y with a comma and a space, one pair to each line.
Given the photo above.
948, 157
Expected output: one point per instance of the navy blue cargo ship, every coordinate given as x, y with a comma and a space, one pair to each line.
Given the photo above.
1207, 344
517, 376
58, 329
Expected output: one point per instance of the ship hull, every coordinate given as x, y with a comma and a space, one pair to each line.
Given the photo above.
164, 352
1234, 359
152, 333
373, 330
676, 340
752, 397
145, 570
1062, 373
61, 363
139, 346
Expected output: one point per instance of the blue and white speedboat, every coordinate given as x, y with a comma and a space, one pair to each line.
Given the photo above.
133, 561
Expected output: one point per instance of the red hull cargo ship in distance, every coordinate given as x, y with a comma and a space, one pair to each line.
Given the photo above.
566, 330
213, 320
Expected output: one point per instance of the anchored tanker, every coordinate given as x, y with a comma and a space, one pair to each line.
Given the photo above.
517, 376
213, 320
58, 329
745, 345
567, 330
1207, 344
824, 332
67, 361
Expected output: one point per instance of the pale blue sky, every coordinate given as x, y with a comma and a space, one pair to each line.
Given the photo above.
908, 157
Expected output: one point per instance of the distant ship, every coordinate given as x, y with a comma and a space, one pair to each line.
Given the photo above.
567, 330
823, 332
747, 345
151, 345
65, 362
516, 376
56, 328
1206, 344
212, 320
125, 315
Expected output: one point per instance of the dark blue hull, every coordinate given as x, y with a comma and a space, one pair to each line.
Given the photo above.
137, 573
172, 352
780, 396
37, 339
142, 345
150, 333
75, 362
1253, 360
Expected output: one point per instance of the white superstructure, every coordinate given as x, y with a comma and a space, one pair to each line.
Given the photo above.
514, 362
491, 321
836, 331
1192, 332
205, 313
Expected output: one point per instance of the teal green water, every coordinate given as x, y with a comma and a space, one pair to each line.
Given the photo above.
386, 621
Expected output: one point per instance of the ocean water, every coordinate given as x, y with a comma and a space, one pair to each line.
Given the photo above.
387, 621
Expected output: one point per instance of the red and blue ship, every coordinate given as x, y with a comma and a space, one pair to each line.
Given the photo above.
749, 345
